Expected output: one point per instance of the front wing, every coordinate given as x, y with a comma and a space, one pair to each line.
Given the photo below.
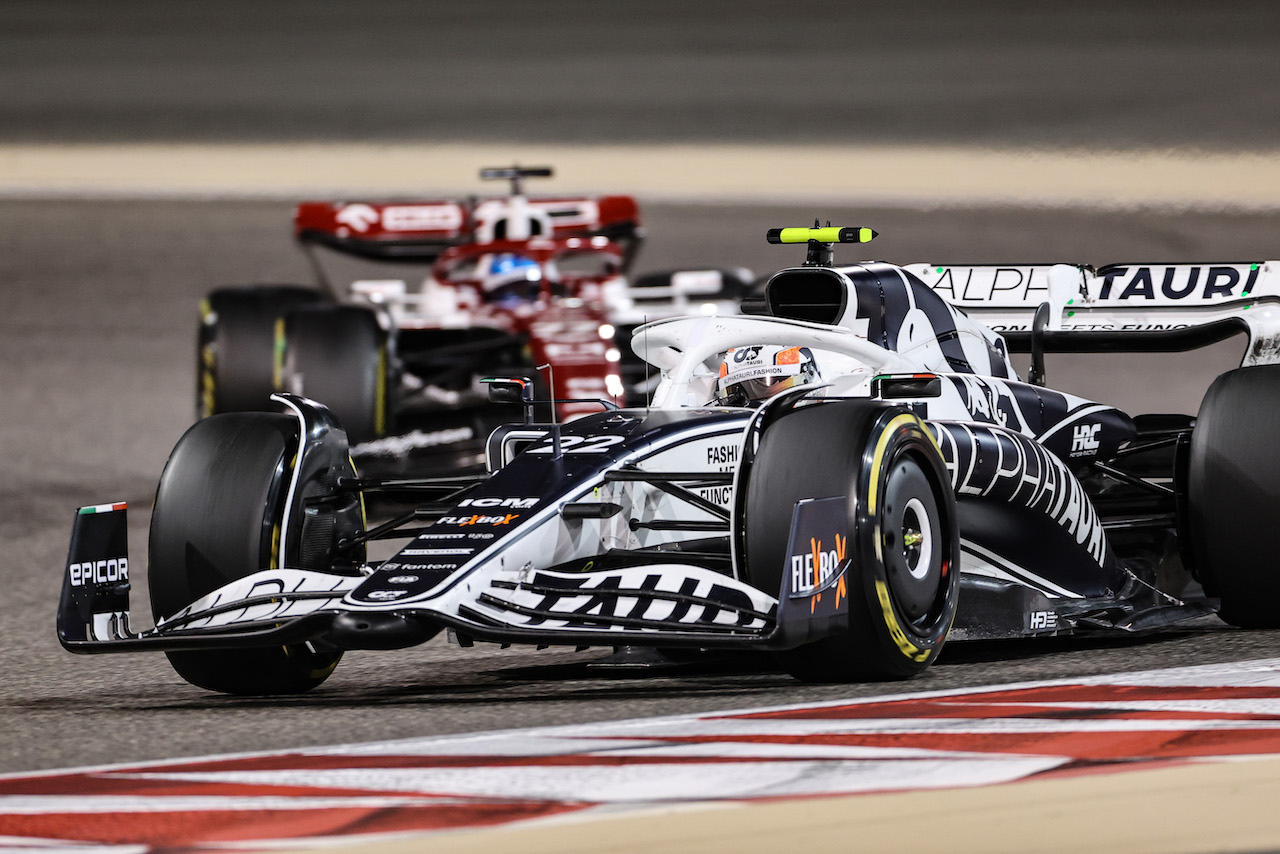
663, 603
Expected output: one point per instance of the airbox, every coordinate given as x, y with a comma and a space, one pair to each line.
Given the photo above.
816, 294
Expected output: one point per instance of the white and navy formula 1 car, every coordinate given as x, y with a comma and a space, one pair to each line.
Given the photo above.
848, 477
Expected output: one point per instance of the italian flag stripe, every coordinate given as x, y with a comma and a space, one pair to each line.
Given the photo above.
102, 508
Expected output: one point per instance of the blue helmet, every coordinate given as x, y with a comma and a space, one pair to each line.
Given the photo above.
508, 268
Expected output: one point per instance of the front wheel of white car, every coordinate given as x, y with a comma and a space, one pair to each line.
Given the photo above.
217, 518
903, 576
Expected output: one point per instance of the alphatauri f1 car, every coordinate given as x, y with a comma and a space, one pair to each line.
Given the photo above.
498, 285
848, 476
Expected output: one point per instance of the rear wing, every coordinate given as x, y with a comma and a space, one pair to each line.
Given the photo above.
419, 232
1144, 307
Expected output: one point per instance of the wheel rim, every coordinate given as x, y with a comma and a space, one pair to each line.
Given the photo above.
917, 538
910, 529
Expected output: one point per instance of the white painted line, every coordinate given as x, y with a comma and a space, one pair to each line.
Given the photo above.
916, 176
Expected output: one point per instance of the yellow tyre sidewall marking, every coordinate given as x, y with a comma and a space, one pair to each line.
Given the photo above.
900, 638
896, 632
277, 356
208, 380
877, 459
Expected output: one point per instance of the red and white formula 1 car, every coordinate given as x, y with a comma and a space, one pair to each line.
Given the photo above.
510, 284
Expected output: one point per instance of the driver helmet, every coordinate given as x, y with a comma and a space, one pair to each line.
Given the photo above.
751, 374
507, 275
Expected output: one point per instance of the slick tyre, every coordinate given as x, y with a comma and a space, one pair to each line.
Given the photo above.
235, 352
217, 518
338, 355
1233, 493
903, 579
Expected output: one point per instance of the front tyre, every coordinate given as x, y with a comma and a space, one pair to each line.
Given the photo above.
217, 518
903, 582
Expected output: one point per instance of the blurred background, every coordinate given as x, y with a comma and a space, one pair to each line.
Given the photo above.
993, 73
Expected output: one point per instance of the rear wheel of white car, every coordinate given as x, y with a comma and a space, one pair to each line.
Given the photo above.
1233, 496
903, 579
339, 356
217, 518
235, 352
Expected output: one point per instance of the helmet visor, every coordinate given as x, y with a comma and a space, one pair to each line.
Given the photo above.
760, 388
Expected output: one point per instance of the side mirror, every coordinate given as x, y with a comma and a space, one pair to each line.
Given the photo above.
906, 386
509, 389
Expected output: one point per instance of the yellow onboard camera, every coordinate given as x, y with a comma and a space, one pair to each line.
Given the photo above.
820, 240
821, 235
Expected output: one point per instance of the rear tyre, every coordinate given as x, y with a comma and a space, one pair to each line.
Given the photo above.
217, 518
904, 579
235, 352
338, 355
1233, 495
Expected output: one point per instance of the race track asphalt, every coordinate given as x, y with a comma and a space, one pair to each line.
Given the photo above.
97, 348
